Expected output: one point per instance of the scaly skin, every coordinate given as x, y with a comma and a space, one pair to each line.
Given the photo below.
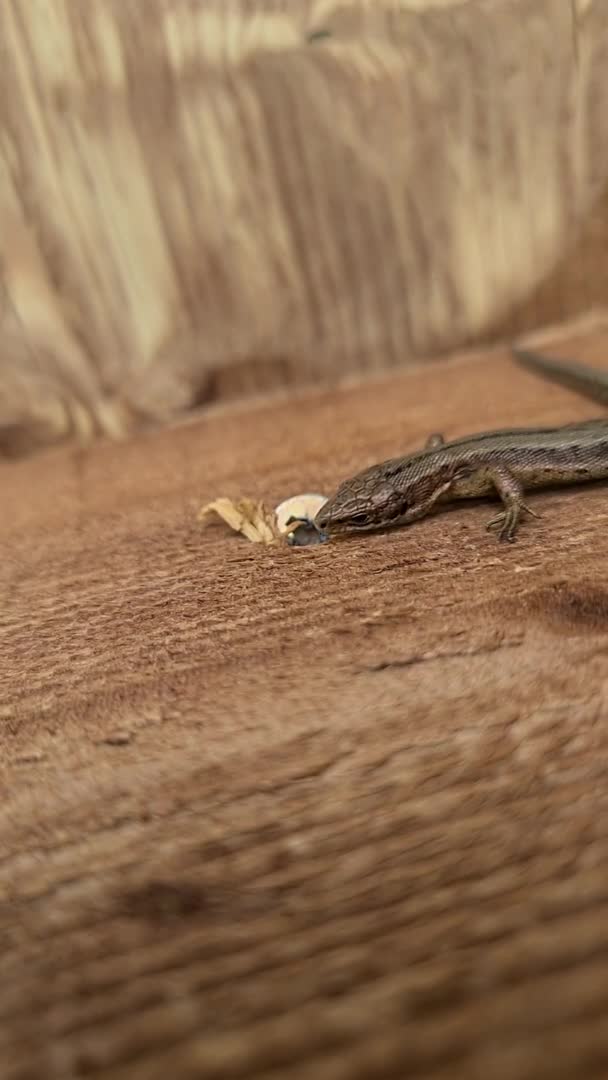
504, 463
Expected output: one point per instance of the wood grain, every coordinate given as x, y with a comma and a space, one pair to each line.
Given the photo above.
201, 201
335, 813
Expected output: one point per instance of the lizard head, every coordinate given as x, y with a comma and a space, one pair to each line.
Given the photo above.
363, 503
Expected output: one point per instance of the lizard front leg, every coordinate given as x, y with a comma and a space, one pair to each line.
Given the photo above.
423, 507
512, 494
436, 439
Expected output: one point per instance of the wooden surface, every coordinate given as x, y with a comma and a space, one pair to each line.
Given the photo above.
198, 202
336, 813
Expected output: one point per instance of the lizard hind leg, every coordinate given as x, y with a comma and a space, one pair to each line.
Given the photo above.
512, 494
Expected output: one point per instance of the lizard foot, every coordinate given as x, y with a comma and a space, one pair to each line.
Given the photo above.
508, 521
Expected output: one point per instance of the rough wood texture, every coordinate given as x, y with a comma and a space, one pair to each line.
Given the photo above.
329, 814
197, 200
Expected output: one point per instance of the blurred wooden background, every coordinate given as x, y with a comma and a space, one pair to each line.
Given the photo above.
201, 200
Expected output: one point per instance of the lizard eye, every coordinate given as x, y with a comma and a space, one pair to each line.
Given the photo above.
359, 519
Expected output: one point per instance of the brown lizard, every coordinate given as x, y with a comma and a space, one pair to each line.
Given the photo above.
505, 463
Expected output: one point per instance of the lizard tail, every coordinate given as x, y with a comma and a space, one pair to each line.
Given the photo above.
584, 380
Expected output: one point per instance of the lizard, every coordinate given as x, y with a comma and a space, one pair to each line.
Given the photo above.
504, 463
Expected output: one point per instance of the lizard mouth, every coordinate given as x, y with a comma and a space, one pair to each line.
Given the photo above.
353, 523
360, 521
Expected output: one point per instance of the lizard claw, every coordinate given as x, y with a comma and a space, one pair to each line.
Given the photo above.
532, 513
508, 521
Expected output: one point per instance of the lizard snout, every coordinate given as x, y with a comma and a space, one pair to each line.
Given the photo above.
322, 520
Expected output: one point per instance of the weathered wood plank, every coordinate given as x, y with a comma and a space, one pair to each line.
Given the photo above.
196, 202
338, 812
